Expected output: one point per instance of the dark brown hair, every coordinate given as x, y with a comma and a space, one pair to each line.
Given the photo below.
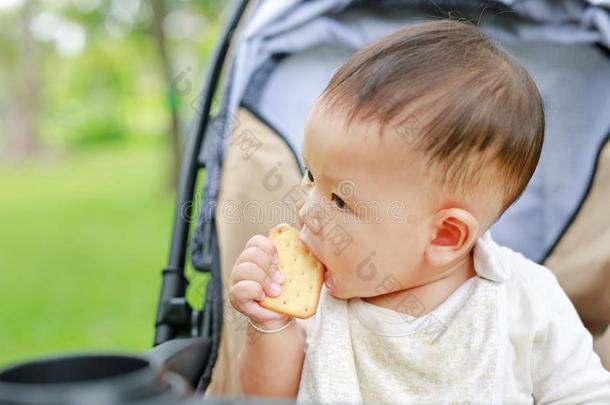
455, 94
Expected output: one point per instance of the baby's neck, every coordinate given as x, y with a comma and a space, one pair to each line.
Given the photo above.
429, 295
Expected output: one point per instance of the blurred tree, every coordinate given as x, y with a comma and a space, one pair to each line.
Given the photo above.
211, 9
22, 103
81, 73
159, 13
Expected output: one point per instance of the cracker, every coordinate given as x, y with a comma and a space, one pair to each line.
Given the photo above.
304, 275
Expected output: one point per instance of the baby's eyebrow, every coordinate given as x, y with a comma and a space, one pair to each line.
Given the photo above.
332, 181
331, 178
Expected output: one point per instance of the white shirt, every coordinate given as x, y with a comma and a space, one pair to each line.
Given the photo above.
508, 335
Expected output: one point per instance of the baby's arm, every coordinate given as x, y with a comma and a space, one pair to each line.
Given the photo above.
270, 364
565, 368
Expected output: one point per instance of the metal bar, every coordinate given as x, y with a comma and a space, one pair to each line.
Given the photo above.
174, 282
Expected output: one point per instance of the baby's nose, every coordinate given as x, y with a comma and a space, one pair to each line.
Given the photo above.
310, 217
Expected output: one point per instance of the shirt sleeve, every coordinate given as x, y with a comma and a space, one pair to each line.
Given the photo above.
565, 369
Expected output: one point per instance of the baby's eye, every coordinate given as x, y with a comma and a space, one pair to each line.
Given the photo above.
339, 201
308, 175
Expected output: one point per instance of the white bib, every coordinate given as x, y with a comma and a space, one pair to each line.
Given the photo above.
369, 354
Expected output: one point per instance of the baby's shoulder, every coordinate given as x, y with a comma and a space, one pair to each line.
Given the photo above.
533, 290
526, 272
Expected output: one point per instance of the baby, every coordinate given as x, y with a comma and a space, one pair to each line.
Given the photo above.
415, 148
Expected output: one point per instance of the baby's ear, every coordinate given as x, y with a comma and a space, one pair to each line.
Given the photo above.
454, 233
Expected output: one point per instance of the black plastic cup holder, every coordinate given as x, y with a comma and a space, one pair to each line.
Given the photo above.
91, 379
73, 369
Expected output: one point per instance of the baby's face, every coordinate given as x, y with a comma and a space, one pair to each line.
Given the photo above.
367, 206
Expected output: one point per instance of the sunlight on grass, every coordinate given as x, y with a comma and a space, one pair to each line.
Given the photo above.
82, 244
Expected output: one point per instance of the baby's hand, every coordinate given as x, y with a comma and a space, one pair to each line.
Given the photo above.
254, 276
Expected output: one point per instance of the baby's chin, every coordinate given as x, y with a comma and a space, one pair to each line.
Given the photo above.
337, 289
329, 286
337, 292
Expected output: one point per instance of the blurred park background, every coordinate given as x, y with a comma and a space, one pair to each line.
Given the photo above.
96, 99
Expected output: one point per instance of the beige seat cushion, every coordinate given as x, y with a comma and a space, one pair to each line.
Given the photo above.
258, 175
581, 260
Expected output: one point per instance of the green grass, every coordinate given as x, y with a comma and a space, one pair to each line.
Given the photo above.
82, 245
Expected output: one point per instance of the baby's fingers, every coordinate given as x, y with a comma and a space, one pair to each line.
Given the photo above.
262, 259
251, 271
260, 314
259, 257
243, 296
264, 243
244, 291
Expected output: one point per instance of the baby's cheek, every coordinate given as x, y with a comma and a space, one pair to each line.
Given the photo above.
350, 275
366, 270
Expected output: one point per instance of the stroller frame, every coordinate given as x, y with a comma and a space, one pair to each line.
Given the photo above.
175, 318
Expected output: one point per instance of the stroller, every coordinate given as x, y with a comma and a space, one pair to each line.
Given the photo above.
275, 57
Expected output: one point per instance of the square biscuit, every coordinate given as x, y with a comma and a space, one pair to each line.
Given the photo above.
304, 275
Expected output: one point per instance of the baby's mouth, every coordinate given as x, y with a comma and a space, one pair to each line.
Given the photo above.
326, 273
311, 250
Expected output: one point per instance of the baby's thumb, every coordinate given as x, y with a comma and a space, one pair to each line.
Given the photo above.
260, 314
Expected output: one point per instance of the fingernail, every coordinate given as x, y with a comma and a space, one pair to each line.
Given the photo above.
275, 288
279, 276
